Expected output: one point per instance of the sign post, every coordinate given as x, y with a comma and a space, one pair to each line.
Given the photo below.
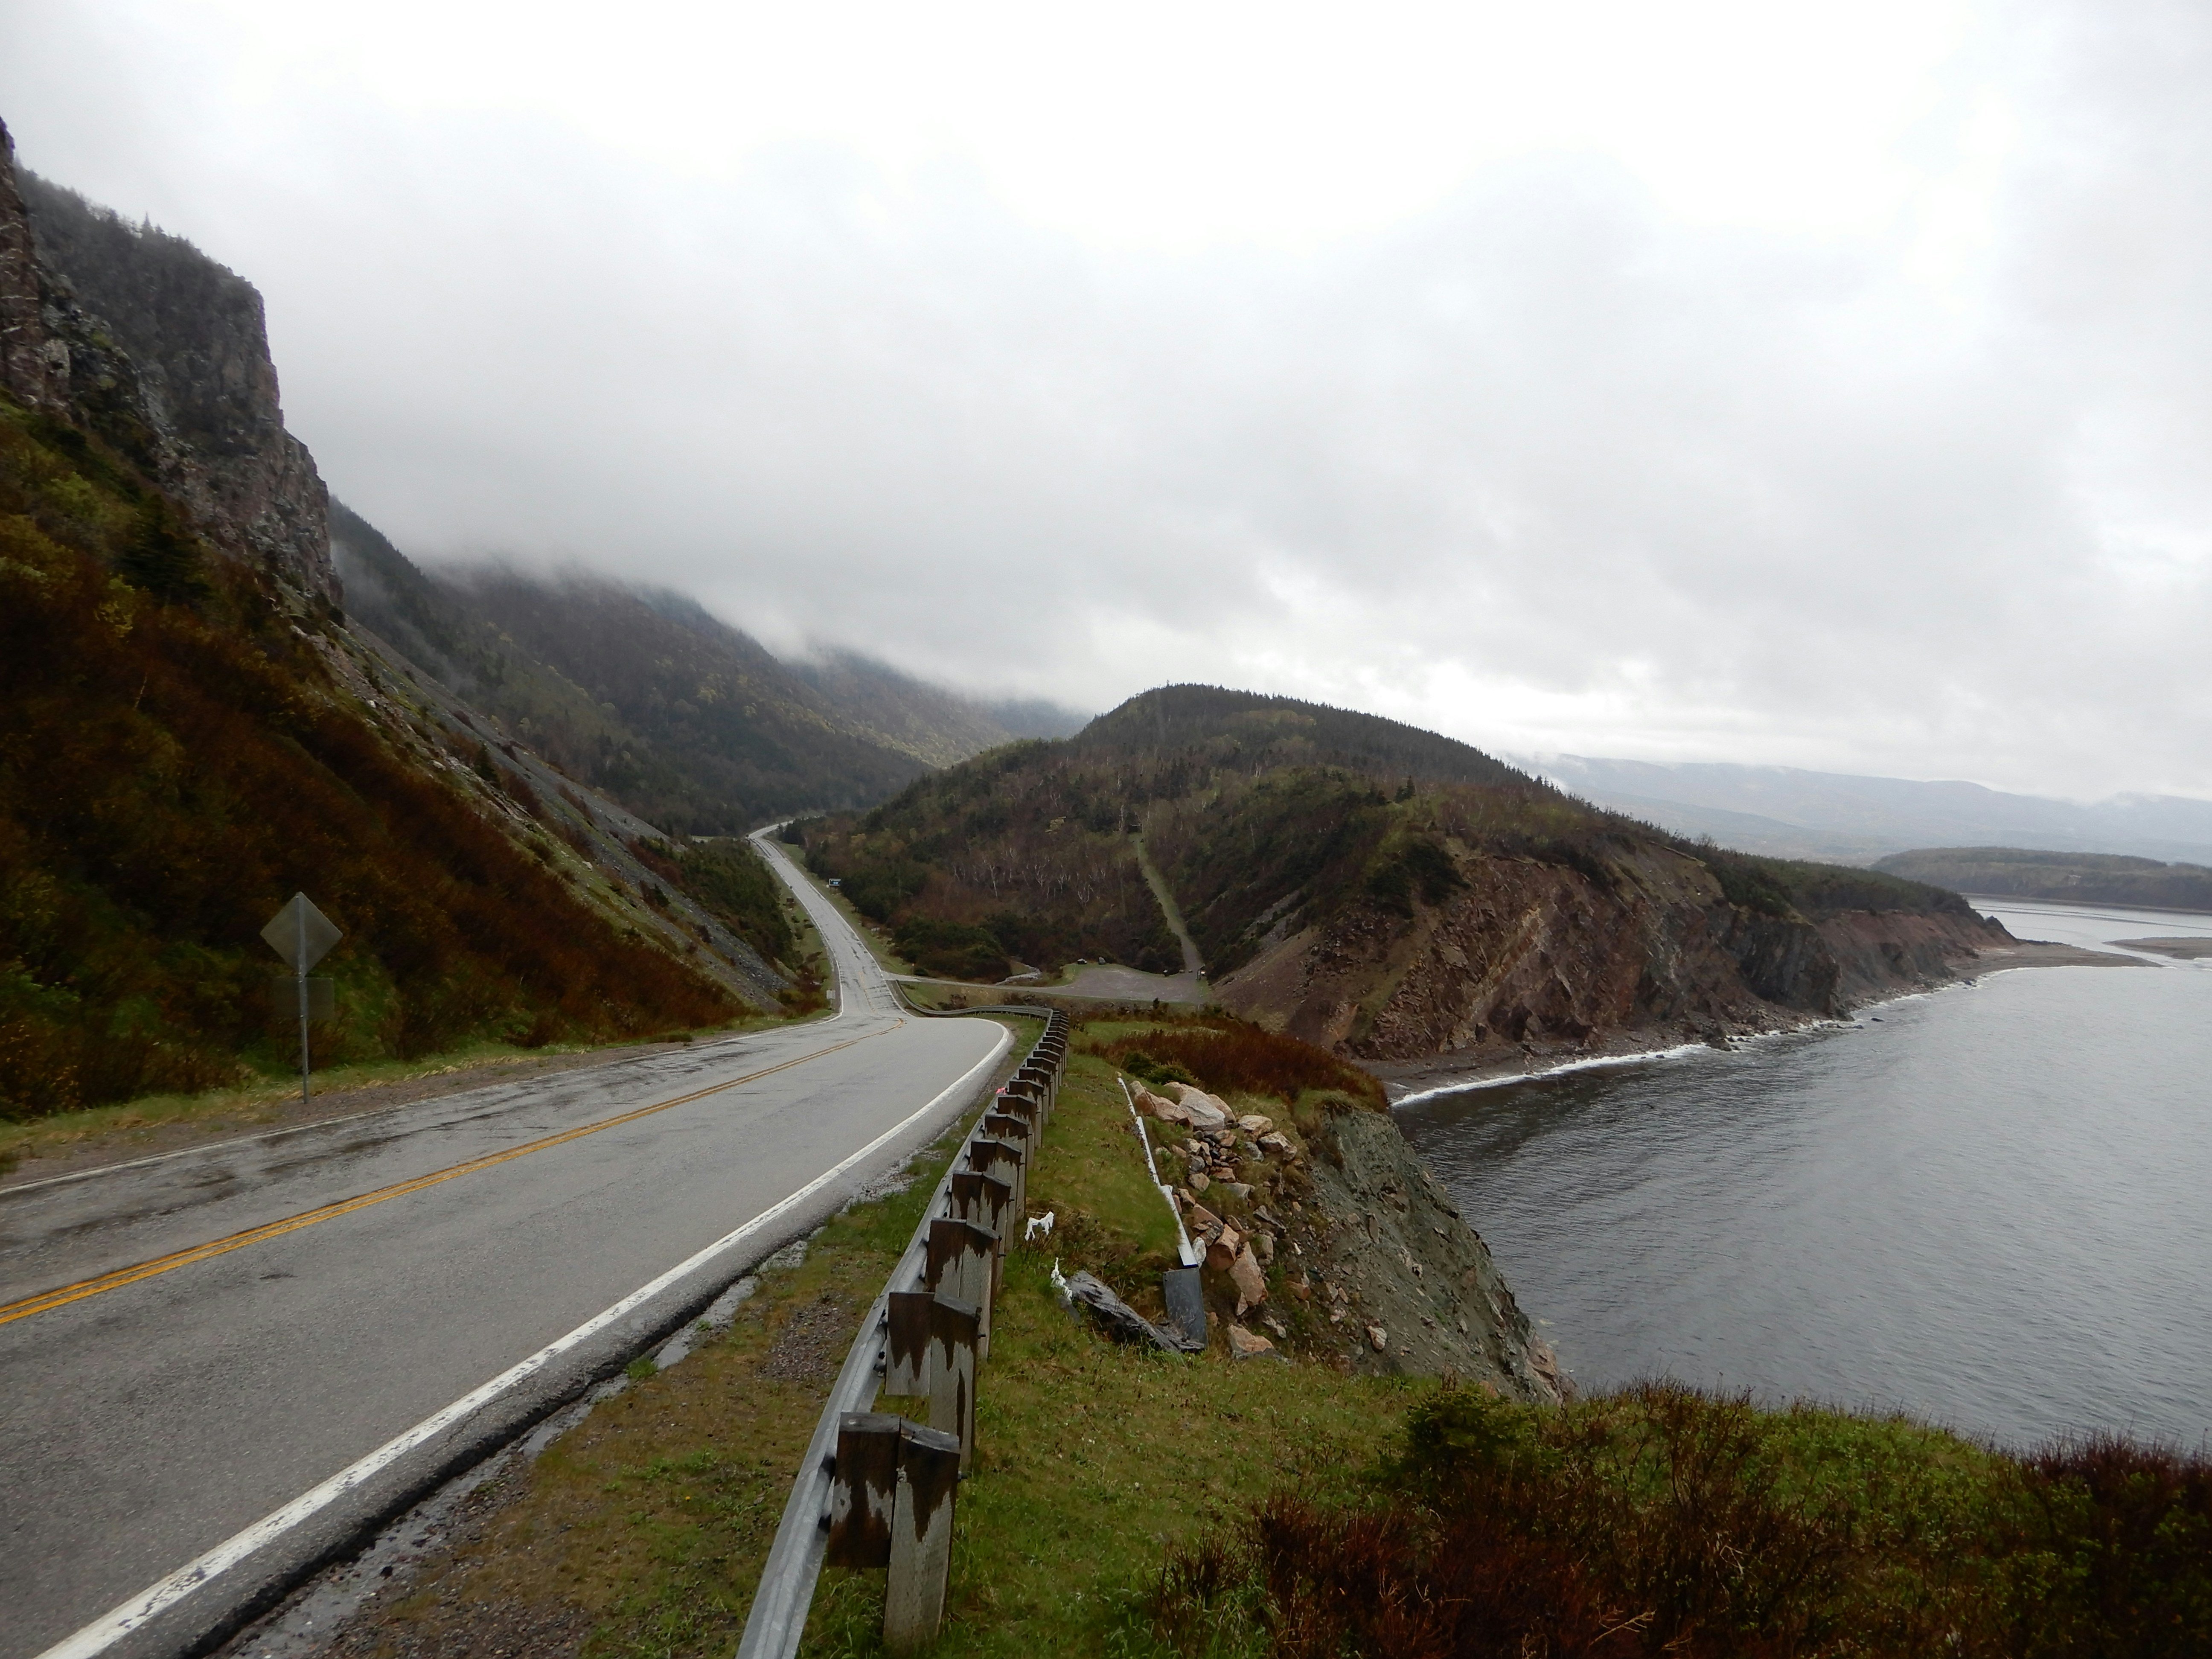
303, 936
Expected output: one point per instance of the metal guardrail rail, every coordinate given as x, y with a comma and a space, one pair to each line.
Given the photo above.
778, 1616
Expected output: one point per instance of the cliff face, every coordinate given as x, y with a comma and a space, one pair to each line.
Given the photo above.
1398, 1258
166, 354
1528, 954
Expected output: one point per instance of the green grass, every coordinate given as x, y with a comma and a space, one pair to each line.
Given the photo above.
650, 1520
1094, 1459
1132, 1503
1120, 1498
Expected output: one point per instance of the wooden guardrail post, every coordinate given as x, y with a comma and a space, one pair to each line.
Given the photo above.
862, 1495
891, 1505
989, 1156
988, 1202
921, 1538
1016, 1132
1024, 1098
1034, 1079
955, 1328
906, 1343
959, 1264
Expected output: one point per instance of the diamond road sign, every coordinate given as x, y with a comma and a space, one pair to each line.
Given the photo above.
302, 934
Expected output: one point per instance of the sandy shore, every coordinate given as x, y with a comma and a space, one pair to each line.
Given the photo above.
2185, 948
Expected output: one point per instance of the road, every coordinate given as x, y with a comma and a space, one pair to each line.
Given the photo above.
242, 1355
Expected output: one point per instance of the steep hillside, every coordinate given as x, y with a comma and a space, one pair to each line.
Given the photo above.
2070, 878
690, 722
192, 734
165, 353
1387, 893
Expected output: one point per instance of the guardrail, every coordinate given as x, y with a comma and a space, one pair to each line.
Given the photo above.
876, 1490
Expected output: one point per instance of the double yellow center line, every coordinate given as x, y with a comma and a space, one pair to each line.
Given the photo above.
10, 1312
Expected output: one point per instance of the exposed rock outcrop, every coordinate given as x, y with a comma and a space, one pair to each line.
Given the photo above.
1341, 1243
166, 354
1400, 1258
1524, 954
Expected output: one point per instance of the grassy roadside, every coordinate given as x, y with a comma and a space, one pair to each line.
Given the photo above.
1132, 1503
1095, 1459
162, 1122
642, 1530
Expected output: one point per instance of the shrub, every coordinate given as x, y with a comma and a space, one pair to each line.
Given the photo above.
1665, 1520
952, 950
1223, 1055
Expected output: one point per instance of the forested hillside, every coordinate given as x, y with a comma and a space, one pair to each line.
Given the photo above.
1386, 891
2068, 878
192, 735
690, 722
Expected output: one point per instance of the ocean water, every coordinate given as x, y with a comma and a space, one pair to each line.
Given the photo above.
1990, 1206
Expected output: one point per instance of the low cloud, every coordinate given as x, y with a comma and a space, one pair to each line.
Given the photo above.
1548, 465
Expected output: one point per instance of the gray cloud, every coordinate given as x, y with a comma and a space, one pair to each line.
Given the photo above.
1548, 466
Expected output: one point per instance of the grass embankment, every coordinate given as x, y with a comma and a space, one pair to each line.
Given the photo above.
1130, 1503
642, 1530
1092, 1459
1661, 1521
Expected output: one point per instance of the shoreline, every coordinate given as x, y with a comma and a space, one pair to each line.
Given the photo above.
1406, 1082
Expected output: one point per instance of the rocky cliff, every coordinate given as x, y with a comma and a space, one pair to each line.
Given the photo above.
1520, 954
165, 354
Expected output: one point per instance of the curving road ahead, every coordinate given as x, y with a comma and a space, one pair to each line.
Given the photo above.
218, 1365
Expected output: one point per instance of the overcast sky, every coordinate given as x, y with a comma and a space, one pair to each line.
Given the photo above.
1824, 385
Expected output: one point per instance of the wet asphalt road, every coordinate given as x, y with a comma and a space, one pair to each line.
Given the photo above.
146, 1424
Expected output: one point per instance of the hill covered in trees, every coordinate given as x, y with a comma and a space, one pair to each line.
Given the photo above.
1387, 892
194, 734
2068, 877
691, 723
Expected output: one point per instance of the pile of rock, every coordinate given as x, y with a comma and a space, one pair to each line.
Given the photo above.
1227, 1154
1184, 1103
1219, 1145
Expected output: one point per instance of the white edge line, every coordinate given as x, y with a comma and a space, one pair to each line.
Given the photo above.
129, 1616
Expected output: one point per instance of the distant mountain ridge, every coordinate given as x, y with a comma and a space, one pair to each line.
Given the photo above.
689, 721
2065, 878
1784, 811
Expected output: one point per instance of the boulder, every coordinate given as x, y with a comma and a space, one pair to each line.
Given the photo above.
1251, 1282
1237, 1189
1204, 1110
1376, 1335
1221, 1252
1248, 1344
1199, 1181
1090, 1298
1197, 1219
1277, 1146
1263, 1244
1253, 1124
1160, 1106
